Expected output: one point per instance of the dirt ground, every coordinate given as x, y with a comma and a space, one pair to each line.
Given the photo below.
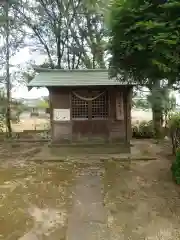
140, 198
31, 124
142, 202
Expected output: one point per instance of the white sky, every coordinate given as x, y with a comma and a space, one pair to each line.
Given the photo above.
22, 92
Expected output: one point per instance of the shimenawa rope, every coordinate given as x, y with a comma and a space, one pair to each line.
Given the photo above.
87, 99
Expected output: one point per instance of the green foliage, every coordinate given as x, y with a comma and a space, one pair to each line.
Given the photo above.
170, 104
2, 20
174, 128
157, 99
160, 99
145, 42
175, 168
2, 121
145, 47
162, 105
143, 130
43, 104
141, 103
28, 76
174, 121
3, 102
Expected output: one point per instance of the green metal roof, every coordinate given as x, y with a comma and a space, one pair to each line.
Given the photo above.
67, 78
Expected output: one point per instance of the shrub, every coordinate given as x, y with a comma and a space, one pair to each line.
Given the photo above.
143, 130
175, 168
34, 114
174, 121
174, 127
2, 122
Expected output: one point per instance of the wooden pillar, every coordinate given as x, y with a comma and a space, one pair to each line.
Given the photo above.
128, 114
51, 113
71, 121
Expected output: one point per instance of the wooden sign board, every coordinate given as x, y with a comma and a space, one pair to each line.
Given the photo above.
119, 106
61, 114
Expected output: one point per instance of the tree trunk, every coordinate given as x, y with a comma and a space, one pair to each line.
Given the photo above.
59, 52
157, 108
8, 84
157, 122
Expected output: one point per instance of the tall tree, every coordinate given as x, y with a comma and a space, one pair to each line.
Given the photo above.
145, 46
5, 20
69, 32
9, 45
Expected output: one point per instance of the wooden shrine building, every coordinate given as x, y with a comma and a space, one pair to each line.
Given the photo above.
86, 106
